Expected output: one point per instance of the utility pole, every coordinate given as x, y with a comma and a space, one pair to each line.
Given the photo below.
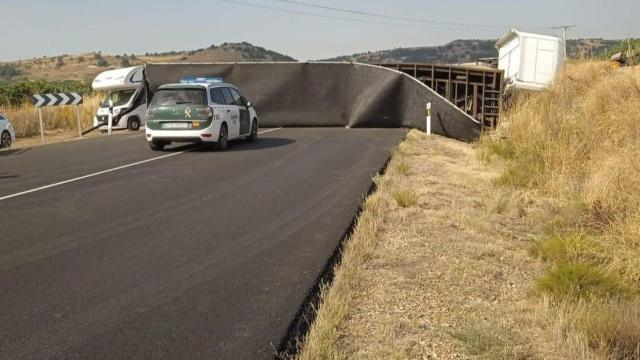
628, 45
564, 37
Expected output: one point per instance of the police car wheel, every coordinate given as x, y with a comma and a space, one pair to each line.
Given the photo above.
223, 138
157, 146
134, 124
5, 140
254, 131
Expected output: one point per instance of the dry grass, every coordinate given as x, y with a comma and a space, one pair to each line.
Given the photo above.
25, 117
578, 142
447, 278
597, 330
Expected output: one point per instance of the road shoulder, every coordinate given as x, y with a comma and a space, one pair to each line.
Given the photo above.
437, 267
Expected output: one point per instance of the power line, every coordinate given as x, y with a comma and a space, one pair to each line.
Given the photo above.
291, 11
564, 29
403, 18
358, 12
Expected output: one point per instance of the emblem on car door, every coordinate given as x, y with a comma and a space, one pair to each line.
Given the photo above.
187, 113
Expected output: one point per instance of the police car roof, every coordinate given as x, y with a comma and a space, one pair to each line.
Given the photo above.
195, 86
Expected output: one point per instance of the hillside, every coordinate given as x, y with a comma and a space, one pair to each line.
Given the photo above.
591, 48
590, 244
463, 51
458, 51
87, 66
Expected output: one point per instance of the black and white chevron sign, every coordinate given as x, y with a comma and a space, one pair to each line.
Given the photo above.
58, 99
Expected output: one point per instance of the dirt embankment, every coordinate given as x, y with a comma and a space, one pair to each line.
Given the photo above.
524, 246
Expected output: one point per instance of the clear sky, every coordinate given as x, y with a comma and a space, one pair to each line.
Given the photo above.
38, 27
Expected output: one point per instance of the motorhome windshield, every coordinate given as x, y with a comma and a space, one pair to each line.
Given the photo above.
119, 98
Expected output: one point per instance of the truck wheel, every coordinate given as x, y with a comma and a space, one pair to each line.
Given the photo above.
223, 138
5, 140
157, 146
134, 124
254, 131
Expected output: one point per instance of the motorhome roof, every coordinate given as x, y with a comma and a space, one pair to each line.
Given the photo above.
118, 79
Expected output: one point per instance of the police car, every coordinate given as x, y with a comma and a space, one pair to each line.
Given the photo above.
200, 110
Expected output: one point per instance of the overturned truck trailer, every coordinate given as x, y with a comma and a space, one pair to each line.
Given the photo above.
329, 94
476, 90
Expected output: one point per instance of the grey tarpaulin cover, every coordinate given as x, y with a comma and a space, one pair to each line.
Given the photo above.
329, 94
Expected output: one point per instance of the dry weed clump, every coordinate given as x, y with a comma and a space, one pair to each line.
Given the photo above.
405, 198
25, 117
401, 167
579, 142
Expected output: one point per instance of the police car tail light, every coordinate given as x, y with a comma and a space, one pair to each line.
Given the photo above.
205, 111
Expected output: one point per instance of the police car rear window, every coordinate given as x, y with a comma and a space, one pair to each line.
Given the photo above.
179, 96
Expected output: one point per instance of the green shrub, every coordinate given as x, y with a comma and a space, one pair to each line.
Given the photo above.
564, 248
523, 162
504, 149
9, 71
570, 281
515, 176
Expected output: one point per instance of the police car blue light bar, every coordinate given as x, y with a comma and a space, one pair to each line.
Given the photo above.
201, 80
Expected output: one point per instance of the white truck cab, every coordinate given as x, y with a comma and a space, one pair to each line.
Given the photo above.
125, 88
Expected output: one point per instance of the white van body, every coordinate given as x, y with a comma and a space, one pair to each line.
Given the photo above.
125, 87
529, 61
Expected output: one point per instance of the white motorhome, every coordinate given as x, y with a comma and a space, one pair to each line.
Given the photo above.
125, 89
529, 61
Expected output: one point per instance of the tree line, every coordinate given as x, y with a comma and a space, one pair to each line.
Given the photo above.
14, 93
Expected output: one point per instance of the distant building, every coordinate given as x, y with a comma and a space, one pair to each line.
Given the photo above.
529, 61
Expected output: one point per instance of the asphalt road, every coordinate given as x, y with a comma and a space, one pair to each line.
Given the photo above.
111, 251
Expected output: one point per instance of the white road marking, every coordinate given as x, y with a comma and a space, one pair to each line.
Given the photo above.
89, 175
267, 131
105, 172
